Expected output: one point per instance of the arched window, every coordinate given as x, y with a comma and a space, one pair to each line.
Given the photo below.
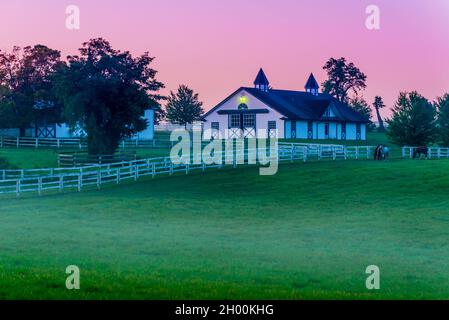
243, 106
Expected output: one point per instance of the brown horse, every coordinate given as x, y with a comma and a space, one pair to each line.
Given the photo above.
419, 151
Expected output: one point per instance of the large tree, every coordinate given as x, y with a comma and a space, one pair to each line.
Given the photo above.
361, 106
413, 122
26, 86
184, 107
343, 78
106, 93
442, 106
379, 104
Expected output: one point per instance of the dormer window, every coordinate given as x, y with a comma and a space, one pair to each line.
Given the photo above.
328, 113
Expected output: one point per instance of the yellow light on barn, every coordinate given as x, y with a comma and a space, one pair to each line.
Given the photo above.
243, 99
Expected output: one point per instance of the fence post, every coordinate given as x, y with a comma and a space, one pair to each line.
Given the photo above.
36, 143
1, 142
187, 168
305, 154
153, 173
39, 186
18, 188
99, 179
171, 168
80, 179
411, 153
18, 142
136, 172
61, 183
58, 143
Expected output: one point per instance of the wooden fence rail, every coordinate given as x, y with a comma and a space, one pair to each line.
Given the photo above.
60, 179
433, 152
76, 143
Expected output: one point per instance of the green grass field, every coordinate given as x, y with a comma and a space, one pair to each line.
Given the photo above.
308, 232
48, 158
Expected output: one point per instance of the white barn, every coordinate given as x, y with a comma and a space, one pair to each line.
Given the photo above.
262, 111
62, 131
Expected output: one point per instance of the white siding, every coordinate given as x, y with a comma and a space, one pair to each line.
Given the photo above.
148, 134
301, 129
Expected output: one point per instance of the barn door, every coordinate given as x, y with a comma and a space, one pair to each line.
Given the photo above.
293, 129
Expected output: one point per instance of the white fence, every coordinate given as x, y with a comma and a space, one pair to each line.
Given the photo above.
433, 152
60, 179
75, 143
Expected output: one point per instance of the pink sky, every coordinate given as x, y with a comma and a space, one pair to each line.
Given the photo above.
216, 46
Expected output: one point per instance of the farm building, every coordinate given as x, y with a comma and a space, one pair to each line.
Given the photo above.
263, 111
47, 129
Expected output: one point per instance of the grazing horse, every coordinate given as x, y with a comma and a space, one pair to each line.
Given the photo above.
418, 152
378, 153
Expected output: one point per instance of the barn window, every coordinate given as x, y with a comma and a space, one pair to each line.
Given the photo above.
215, 130
272, 125
310, 129
328, 113
359, 131
249, 120
234, 120
343, 131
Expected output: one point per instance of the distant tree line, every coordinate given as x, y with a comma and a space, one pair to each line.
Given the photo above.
415, 120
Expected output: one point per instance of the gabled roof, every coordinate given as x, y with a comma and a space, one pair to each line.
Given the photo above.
261, 79
312, 83
299, 105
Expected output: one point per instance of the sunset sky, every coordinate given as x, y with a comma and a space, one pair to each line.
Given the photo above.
216, 46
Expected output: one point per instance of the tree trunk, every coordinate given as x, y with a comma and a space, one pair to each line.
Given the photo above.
101, 143
379, 119
22, 132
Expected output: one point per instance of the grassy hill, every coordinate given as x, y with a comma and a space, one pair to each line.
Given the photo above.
308, 232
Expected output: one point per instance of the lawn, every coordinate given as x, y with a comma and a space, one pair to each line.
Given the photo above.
48, 158
308, 232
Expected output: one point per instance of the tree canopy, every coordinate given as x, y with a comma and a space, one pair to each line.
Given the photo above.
26, 87
379, 104
106, 93
361, 106
413, 122
343, 78
184, 107
442, 106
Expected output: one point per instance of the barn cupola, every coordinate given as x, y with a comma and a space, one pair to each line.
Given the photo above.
261, 81
312, 85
